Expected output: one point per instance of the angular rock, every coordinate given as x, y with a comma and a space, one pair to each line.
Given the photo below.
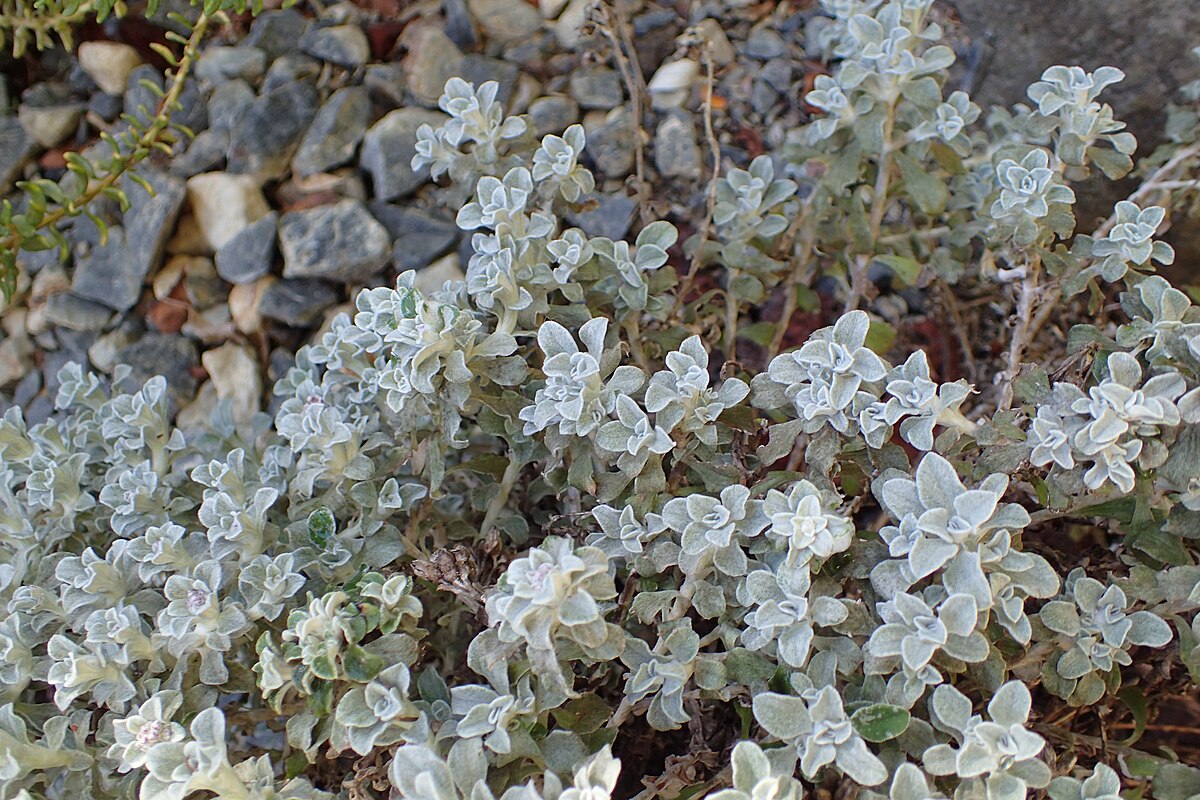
505, 20
672, 84
27, 388
244, 302
228, 103
108, 64
193, 111
569, 27
269, 132
276, 32
335, 132
251, 253
764, 43
167, 354
344, 45
722, 51
297, 302
432, 60
113, 273
477, 69
597, 86
388, 148
553, 114
420, 238
51, 280
15, 358
676, 151
778, 73
290, 67
434, 277
387, 84
611, 217
611, 145
202, 286
16, 148
531, 52
219, 63
459, 25
48, 113
234, 372
140, 102
69, 310
1027, 36
340, 242
103, 352
224, 204
105, 106
198, 414
206, 153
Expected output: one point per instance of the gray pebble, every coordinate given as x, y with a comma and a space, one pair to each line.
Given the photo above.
597, 86
676, 151
340, 242
297, 302
420, 238
344, 45
335, 132
388, 148
250, 254
263, 142
553, 114
611, 217
764, 43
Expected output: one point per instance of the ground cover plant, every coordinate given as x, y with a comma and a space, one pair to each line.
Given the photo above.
588, 525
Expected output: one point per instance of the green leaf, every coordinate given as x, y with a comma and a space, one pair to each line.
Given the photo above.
431, 686
759, 332
710, 673
1162, 547
584, 714
748, 667
1120, 509
926, 188
1114, 165
360, 665
321, 527
746, 288
1133, 698
1032, 384
1176, 782
907, 270
880, 722
880, 337
742, 418
484, 464
859, 227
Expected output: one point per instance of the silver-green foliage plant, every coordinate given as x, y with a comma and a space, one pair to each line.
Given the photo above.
495, 521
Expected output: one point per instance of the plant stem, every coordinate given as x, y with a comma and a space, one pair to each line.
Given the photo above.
1021, 333
1158, 181
731, 319
633, 329
40, 23
625, 53
800, 261
507, 481
883, 178
711, 202
121, 163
